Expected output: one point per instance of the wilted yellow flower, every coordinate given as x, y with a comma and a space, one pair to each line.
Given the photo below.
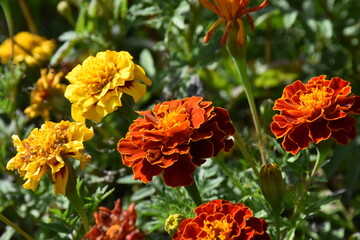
31, 48
47, 91
96, 86
231, 13
46, 150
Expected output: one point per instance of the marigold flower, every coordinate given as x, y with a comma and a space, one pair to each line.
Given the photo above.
231, 13
96, 86
116, 224
48, 90
46, 149
28, 47
221, 219
315, 111
174, 138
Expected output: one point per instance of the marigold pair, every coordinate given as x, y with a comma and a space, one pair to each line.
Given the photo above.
217, 219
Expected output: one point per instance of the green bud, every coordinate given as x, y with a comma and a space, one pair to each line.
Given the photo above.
272, 185
172, 223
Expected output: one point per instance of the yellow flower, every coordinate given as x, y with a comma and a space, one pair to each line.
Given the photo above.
28, 47
48, 89
231, 13
46, 150
96, 86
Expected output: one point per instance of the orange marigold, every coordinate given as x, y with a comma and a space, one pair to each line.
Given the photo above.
221, 219
315, 111
116, 224
231, 13
174, 138
46, 94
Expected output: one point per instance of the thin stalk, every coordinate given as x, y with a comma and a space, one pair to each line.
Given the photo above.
194, 193
322, 153
15, 227
248, 157
240, 64
27, 15
277, 225
73, 196
228, 173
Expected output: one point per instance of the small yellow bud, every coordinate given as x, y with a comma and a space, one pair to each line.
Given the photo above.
272, 185
172, 223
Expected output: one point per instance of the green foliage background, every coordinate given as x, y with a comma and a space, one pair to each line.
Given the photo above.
292, 40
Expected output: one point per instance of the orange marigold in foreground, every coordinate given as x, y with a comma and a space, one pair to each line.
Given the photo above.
96, 86
46, 94
221, 219
174, 138
315, 111
231, 13
116, 224
28, 47
46, 149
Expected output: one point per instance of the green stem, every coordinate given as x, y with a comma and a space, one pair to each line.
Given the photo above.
248, 157
194, 193
238, 56
322, 152
15, 227
73, 196
277, 224
228, 173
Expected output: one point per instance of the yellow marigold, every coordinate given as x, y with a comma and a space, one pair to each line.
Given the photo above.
31, 48
96, 86
46, 150
48, 89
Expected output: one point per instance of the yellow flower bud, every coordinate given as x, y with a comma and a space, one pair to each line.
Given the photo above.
272, 185
172, 223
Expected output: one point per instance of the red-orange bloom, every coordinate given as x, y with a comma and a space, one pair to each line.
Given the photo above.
231, 13
315, 111
116, 224
174, 138
221, 219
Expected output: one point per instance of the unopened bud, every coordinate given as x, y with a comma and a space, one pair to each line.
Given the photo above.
172, 223
272, 185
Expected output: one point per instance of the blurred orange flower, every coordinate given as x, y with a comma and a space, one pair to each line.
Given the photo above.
45, 150
96, 87
28, 47
315, 111
174, 138
46, 94
231, 13
116, 224
221, 219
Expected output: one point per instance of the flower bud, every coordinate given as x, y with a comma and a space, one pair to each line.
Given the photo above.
272, 185
172, 223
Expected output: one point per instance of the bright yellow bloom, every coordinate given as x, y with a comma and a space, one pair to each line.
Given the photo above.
46, 150
231, 13
28, 47
47, 91
96, 86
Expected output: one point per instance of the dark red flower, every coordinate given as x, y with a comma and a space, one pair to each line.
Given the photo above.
221, 219
116, 224
315, 111
174, 138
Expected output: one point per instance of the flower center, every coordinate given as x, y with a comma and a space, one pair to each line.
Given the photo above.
114, 232
173, 117
317, 98
217, 230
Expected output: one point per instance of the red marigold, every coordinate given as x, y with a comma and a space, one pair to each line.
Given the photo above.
221, 219
174, 138
315, 111
116, 224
